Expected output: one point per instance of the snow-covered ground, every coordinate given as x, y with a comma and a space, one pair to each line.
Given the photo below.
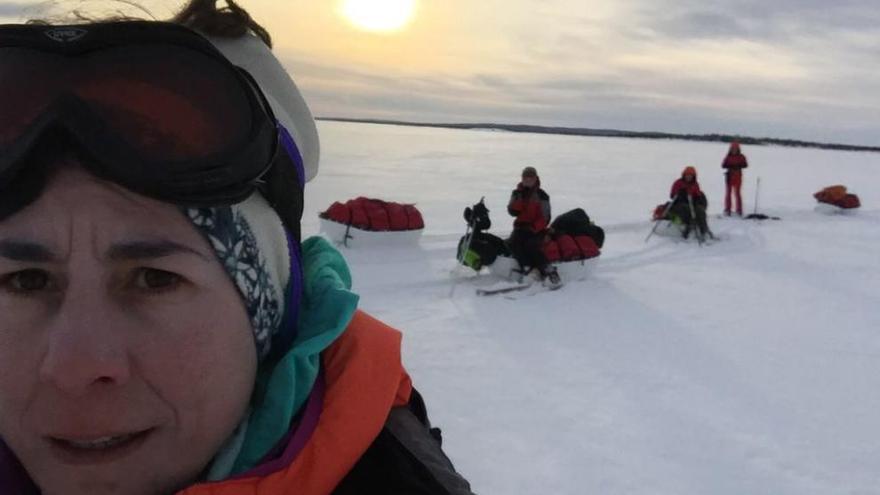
751, 366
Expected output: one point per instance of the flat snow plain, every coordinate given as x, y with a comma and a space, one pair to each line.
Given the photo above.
751, 366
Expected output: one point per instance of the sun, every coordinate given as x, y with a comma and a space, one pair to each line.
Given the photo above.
379, 15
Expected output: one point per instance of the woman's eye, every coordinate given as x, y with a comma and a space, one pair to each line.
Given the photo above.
31, 280
155, 279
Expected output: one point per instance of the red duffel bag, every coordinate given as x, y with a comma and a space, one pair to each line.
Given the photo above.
849, 201
588, 246
568, 248
551, 251
413, 217
375, 214
338, 212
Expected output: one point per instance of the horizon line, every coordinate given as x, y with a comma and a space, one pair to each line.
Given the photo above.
586, 131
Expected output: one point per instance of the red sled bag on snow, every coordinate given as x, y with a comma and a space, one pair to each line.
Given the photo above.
396, 216
413, 218
849, 201
568, 248
587, 245
551, 251
831, 194
359, 216
338, 212
838, 196
375, 215
659, 211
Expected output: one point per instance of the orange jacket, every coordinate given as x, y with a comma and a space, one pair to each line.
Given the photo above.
364, 379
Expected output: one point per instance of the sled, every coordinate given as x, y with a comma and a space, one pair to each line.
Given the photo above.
669, 228
353, 237
830, 209
508, 268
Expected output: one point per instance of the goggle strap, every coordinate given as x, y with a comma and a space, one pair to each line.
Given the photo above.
292, 151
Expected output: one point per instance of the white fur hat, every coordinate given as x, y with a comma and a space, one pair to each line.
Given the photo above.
250, 53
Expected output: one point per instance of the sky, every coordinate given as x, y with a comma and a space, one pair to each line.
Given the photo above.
800, 69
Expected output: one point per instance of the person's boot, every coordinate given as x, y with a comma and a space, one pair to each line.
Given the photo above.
551, 278
687, 232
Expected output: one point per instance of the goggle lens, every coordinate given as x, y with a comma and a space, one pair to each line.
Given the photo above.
167, 104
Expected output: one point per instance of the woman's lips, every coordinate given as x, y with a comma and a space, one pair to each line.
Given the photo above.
97, 450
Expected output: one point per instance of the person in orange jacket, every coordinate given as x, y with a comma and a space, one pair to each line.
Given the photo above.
163, 327
733, 165
530, 205
685, 192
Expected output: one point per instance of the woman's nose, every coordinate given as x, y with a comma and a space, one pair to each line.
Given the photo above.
86, 346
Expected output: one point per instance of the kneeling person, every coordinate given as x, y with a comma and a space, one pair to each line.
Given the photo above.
686, 192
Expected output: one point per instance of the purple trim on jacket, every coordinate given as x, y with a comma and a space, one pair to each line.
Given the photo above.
292, 444
13, 477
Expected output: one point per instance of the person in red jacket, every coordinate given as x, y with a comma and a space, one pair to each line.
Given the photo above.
684, 193
531, 206
733, 164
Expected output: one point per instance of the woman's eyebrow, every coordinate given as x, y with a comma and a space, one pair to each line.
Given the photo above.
26, 251
138, 250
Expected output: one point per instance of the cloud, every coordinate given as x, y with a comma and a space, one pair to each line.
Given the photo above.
788, 68
674, 105
14, 9
758, 19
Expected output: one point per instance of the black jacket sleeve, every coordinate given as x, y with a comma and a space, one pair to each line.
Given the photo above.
515, 196
406, 459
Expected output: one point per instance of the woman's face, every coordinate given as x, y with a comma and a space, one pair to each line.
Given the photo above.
126, 354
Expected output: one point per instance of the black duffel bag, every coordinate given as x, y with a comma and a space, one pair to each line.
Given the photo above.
577, 222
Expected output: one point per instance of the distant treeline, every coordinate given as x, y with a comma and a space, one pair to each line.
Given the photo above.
579, 131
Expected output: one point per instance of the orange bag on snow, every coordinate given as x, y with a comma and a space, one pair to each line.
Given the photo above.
849, 201
831, 194
838, 196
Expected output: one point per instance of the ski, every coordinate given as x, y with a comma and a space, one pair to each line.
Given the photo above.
507, 288
502, 289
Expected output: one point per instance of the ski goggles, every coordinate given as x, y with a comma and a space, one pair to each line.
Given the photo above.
156, 107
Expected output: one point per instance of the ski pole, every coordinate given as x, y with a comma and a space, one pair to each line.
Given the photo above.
694, 220
757, 190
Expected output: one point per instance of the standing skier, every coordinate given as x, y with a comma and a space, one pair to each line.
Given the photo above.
686, 193
733, 164
531, 206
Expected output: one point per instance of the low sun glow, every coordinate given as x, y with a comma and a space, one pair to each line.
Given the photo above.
379, 15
